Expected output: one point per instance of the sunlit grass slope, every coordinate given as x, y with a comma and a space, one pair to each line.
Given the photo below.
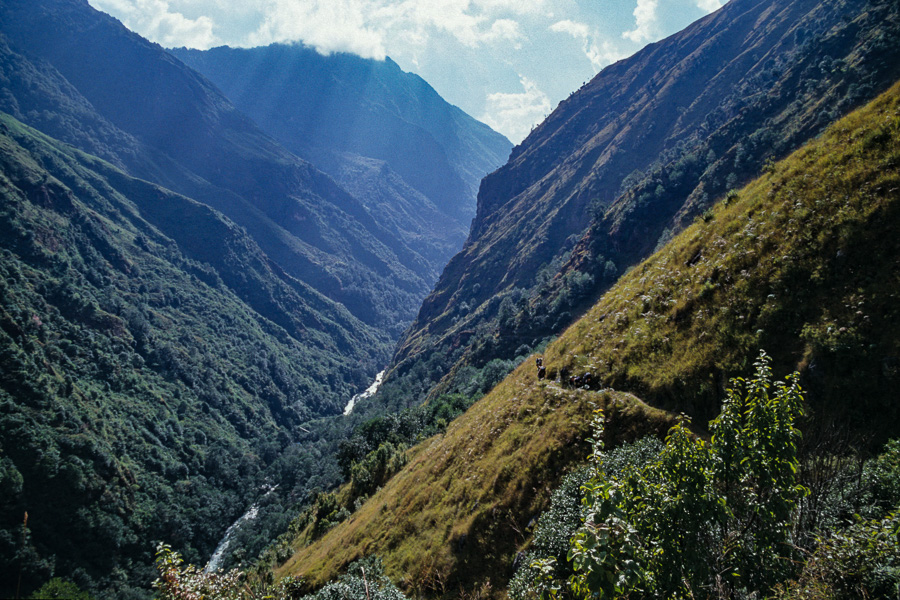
804, 262
459, 510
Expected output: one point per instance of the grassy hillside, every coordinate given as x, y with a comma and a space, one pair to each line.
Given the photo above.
804, 262
154, 369
634, 156
457, 512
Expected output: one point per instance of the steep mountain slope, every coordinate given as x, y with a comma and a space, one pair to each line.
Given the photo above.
154, 366
803, 262
337, 110
633, 156
165, 123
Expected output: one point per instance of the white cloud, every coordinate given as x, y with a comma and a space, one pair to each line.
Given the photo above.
645, 21
515, 114
368, 27
326, 25
600, 55
603, 55
506, 30
470, 23
709, 5
576, 30
158, 21
518, 7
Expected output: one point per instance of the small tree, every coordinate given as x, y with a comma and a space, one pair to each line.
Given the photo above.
706, 519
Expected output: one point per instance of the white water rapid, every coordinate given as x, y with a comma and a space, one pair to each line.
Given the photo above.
368, 393
215, 561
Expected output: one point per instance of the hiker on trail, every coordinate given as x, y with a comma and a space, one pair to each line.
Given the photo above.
541, 370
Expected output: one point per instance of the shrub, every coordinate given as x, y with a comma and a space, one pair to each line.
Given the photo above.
60, 588
364, 579
377, 467
701, 519
561, 520
179, 582
861, 561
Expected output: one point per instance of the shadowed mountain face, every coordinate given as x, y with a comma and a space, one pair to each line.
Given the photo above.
342, 103
154, 368
127, 100
637, 153
385, 135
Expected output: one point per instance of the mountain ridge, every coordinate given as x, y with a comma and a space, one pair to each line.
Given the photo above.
340, 110
202, 146
556, 228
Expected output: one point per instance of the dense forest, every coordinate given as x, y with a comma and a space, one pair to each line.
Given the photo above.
185, 302
138, 380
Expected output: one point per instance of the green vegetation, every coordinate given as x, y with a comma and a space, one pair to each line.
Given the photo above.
784, 264
802, 261
151, 383
455, 515
861, 561
59, 588
364, 578
721, 518
158, 371
704, 519
691, 518
177, 581
566, 513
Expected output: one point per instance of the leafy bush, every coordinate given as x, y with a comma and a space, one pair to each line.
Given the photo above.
881, 481
60, 588
378, 466
561, 520
703, 518
179, 582
861, 561
364, 579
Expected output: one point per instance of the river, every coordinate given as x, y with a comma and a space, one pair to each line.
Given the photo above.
215, 561
368, 393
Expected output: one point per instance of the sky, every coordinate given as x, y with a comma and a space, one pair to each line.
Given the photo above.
507, 63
